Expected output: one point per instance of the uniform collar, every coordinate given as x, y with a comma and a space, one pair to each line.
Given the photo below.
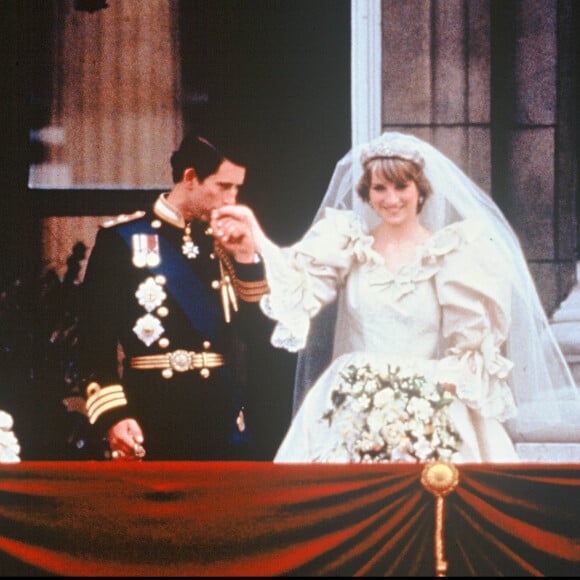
168, 212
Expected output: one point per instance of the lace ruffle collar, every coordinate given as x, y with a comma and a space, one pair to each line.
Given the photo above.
430, 255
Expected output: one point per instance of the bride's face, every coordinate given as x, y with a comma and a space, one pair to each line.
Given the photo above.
395, 203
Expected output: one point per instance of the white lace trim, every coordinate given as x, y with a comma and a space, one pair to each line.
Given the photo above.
429, 260
290, 301
480, 377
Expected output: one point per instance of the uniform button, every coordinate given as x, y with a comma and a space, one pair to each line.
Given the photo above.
156, 224
163, 311
215, 284
160, 279
166, 373
206, 344
164, 342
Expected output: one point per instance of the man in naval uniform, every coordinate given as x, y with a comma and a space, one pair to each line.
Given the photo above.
166, 321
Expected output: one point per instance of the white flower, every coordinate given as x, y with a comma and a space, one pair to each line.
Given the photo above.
6, 421
391, 414
372, 385
396, 411
9, 446
446, 454
393, 433
376, 420
420, 408
369, 442
401, 455
429, 392
383, 397
423, 448
363, 402
415, 425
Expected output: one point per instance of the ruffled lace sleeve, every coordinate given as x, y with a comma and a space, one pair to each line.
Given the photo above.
306, 276
474, 294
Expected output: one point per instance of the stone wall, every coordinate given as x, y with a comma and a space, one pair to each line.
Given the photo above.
491, 84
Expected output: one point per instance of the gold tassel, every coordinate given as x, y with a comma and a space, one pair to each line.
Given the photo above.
440, 478
232, 293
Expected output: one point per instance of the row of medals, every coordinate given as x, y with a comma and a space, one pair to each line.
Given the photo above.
150, 293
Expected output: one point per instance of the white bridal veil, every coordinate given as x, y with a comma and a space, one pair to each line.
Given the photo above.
543, 387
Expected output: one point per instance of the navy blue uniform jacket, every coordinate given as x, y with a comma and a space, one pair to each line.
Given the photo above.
142, 296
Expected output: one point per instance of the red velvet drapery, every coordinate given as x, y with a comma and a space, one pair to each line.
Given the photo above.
260, 519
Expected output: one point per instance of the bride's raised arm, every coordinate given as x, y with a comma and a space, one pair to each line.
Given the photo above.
302, 278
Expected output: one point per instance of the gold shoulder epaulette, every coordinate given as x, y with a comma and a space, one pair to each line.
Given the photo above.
123, 218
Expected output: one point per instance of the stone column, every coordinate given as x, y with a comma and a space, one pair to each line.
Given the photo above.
534, 140
116, 114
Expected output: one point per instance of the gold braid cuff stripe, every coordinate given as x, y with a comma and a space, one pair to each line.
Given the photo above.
103, 399
252, 291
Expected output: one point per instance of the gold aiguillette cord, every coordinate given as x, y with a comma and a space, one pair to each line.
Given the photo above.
228, 294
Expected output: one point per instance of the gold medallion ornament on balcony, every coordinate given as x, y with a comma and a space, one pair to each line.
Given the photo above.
440, 478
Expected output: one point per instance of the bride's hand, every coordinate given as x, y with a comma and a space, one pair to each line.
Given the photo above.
238, 231
450, 387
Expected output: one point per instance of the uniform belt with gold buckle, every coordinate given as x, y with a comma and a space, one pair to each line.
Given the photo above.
179, 361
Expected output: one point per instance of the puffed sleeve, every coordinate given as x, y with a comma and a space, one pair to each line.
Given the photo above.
474, 292
306, 276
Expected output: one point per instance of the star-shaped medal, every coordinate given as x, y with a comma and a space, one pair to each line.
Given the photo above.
189, 248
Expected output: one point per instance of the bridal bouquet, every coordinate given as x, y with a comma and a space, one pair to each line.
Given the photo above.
394, 415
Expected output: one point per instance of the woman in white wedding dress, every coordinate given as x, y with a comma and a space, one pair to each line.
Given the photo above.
427, 275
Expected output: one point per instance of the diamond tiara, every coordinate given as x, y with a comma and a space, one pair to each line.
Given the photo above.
389, 145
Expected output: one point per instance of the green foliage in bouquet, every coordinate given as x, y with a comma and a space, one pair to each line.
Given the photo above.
393, 415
